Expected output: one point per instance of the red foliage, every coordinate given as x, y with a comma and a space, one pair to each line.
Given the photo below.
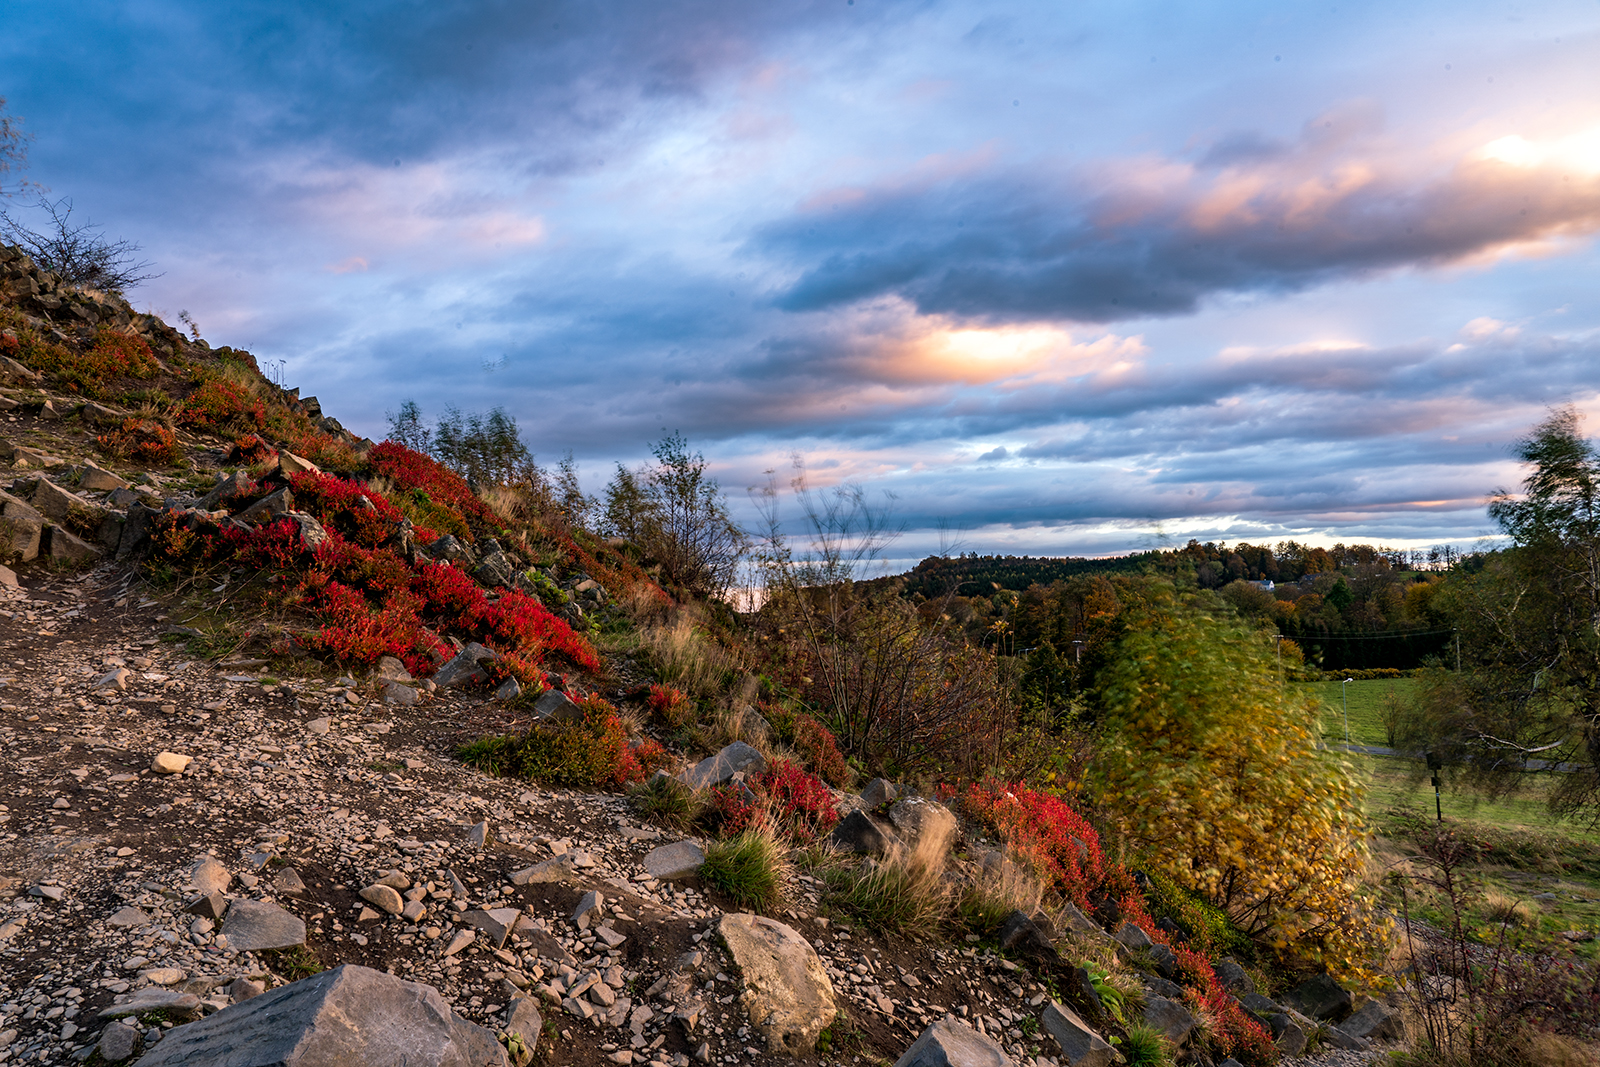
441, 485
517, 620
817, 744
144, 440
1044, 829
365, 517
737, 810
670, 707
251, 450
275, 546
218, 404
799, 803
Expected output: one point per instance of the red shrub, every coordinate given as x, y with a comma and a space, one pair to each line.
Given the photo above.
275, 546
143, 440
438, 483
800, 804
219, 404
1045, 830
816, 743
251, 450
737, 810
365, 517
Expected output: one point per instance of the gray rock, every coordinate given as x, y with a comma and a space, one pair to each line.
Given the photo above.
57, 503
1080, 1046
208, 906
311, 532
1288, 1035
1132, 938
734, 759
555, 706
496, 923
289, 881
787, 995
1321, 998
509, 689
347, 1016
681, 859
558, 869
1161, 987
390, 669
26, 526
61, 545
242, 989
1338, 1037
129, 916
952, 1043
875, 794
400, 695
1021, 934
269, 508
225, 489
496, 571
153, 998
919, 820
858, 832
1079, 923
209, 877
590, 908
1166, 960
254, 925
478, 834
1233, 977
1374, 1021
523, 1019
118, 1042
1172, 1019
464, 669
96, 478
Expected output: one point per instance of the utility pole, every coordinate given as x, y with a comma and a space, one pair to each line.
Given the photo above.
1458, 651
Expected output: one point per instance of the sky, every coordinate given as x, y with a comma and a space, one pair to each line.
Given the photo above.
1052, 278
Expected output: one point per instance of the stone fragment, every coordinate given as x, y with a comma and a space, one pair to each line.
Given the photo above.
681, 859
464, 669
478, 834
115, 678
153, 998
8, 577
118, 1042
399, 695
319, 727
345, 1016
59, 504
1233, 977
163, 975
1375, 1022
1321, 998
1021, 934
875, 794
208, 905
384, 897
289, 463
242, 989
523, 1020
1287, 1034
289, 881
96, 478
390, 669
787, 995
590, 907
495, 923
509, 689
269, 508
61, 545
129, 916
1080, 1046
460, 941
254, 925
25, 525
552, 870
414, 911
1132, 938
1170, 1018
170, 763
715, 770
952, 1043
555, 706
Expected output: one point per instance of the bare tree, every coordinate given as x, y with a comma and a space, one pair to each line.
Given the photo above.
13, 149
80, 254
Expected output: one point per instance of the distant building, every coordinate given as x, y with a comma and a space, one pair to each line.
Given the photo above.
1265, 583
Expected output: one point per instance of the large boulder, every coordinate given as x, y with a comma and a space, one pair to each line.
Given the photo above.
921, 820
858, 832
1321, 998
255, 925
22, 528
340, 1018
1169, 1018
464, 669
1374, 1022
787, 994
737, 758
1080, 1045
952, 1043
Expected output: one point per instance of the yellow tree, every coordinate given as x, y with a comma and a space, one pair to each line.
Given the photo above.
1211, 771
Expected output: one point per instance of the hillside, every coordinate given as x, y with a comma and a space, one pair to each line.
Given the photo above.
258, 670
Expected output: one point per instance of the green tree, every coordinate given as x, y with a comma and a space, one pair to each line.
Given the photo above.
406, 428
484, 449
675, 513
1529, 618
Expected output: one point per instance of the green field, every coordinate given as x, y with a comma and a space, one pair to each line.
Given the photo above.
1528, 850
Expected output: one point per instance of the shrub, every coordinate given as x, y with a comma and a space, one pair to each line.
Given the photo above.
590, 753
1145, 1047
751, 869
1043, 830
799, 804
670, 707
143, 440
219, 404
816, 743
250, 450
93, 371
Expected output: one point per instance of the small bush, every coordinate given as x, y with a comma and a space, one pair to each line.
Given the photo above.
1503, 908
989, 898
904, 893
670, 708
751, 869
587, 754
222, 405
143, 440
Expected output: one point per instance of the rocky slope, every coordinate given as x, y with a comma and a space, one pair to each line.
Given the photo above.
183, 831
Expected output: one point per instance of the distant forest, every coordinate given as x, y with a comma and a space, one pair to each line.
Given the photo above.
1345, 607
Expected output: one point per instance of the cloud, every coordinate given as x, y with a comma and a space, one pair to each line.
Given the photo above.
1156, 236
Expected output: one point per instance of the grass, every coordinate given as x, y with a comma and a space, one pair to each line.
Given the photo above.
1366, 707
666, 800
751, 869
1145, 1047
